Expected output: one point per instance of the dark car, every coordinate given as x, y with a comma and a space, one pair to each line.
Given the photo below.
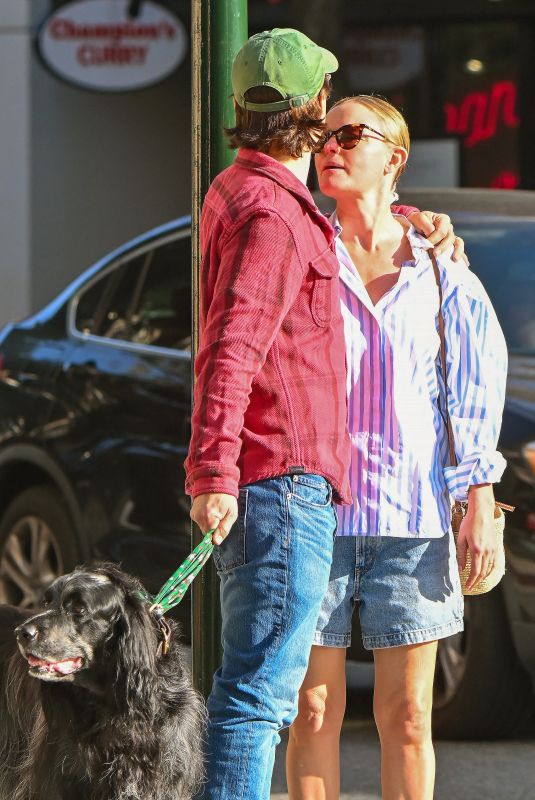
95, 419
94, 428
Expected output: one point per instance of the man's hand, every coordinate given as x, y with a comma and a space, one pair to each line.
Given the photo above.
217, 511
439, 230
478, 535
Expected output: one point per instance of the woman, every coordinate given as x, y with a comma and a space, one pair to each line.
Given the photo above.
394, 553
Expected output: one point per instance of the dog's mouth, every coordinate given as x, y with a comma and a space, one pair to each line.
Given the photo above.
61, 669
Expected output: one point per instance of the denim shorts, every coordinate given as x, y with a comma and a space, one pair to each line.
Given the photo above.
407, 591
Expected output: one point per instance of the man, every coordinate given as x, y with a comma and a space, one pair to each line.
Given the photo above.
269, 447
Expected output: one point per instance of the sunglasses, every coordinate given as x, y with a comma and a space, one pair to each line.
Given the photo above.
348, 136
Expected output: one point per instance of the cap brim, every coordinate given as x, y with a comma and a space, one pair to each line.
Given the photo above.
330, 62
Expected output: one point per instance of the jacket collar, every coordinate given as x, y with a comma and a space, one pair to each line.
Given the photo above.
262, 164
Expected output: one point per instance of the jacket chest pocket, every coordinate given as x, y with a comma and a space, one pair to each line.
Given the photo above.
325, 293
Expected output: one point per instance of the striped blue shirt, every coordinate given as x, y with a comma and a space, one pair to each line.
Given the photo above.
399, 476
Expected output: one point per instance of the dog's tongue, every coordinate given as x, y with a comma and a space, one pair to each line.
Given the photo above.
63, 667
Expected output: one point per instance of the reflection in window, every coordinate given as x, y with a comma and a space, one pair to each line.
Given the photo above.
88, 305
162, 307
146, 300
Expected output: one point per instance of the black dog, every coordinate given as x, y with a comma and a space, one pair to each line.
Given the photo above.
102, 713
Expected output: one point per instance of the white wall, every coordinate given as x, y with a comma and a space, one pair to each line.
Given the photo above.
80, 172
14, 159
105, 167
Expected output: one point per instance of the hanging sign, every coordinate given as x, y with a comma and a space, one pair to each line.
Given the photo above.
97, 44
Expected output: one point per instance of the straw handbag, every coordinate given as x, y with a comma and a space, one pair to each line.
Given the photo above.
459, 508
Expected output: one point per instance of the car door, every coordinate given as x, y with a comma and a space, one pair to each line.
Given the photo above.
129, 381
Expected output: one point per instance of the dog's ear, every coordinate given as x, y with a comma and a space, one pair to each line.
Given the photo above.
135, 676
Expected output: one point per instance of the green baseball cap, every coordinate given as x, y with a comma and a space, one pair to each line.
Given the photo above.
285, 60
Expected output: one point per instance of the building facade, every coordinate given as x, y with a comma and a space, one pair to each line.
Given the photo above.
82, 171
462, 72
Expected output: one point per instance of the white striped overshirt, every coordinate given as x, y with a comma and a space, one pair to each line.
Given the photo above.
399, 476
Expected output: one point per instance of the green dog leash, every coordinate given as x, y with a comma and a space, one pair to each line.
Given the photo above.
173, 591
175, 588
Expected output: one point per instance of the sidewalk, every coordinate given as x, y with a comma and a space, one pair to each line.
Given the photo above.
503, 770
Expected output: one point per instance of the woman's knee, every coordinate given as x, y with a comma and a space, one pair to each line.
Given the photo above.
320, 714
405, 719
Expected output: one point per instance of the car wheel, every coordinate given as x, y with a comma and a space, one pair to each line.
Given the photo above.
36, 545
481, 690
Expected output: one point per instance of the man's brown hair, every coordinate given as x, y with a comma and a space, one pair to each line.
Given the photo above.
292, 132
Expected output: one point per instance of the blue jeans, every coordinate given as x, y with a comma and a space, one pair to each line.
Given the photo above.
274, 568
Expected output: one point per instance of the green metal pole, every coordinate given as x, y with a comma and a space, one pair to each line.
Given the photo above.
219, 28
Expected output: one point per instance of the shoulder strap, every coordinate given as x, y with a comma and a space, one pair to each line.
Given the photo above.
453, 457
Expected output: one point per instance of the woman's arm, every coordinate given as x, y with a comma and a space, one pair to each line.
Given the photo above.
476, 356
476, 361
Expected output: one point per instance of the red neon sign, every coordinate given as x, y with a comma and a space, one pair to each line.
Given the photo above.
478, 114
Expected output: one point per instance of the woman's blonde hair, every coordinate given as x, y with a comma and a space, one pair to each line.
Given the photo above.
394, 126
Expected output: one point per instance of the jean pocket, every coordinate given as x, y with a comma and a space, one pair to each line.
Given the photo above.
311, 490
231, 552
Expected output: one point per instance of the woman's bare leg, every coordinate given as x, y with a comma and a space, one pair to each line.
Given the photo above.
402, 707
313, 757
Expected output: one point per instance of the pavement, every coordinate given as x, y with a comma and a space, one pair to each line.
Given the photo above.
503, 770
498, 770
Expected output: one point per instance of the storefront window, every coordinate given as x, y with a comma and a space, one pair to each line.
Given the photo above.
479, 88
389, 61
457, 86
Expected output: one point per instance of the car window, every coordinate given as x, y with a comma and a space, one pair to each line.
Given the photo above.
161, 309
90, 304
146, 300
107, 299
114, 319
501, 254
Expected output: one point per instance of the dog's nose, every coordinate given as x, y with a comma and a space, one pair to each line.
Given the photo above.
26, 632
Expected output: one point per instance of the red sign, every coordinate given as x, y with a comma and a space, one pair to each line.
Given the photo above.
478, 114
97, 45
